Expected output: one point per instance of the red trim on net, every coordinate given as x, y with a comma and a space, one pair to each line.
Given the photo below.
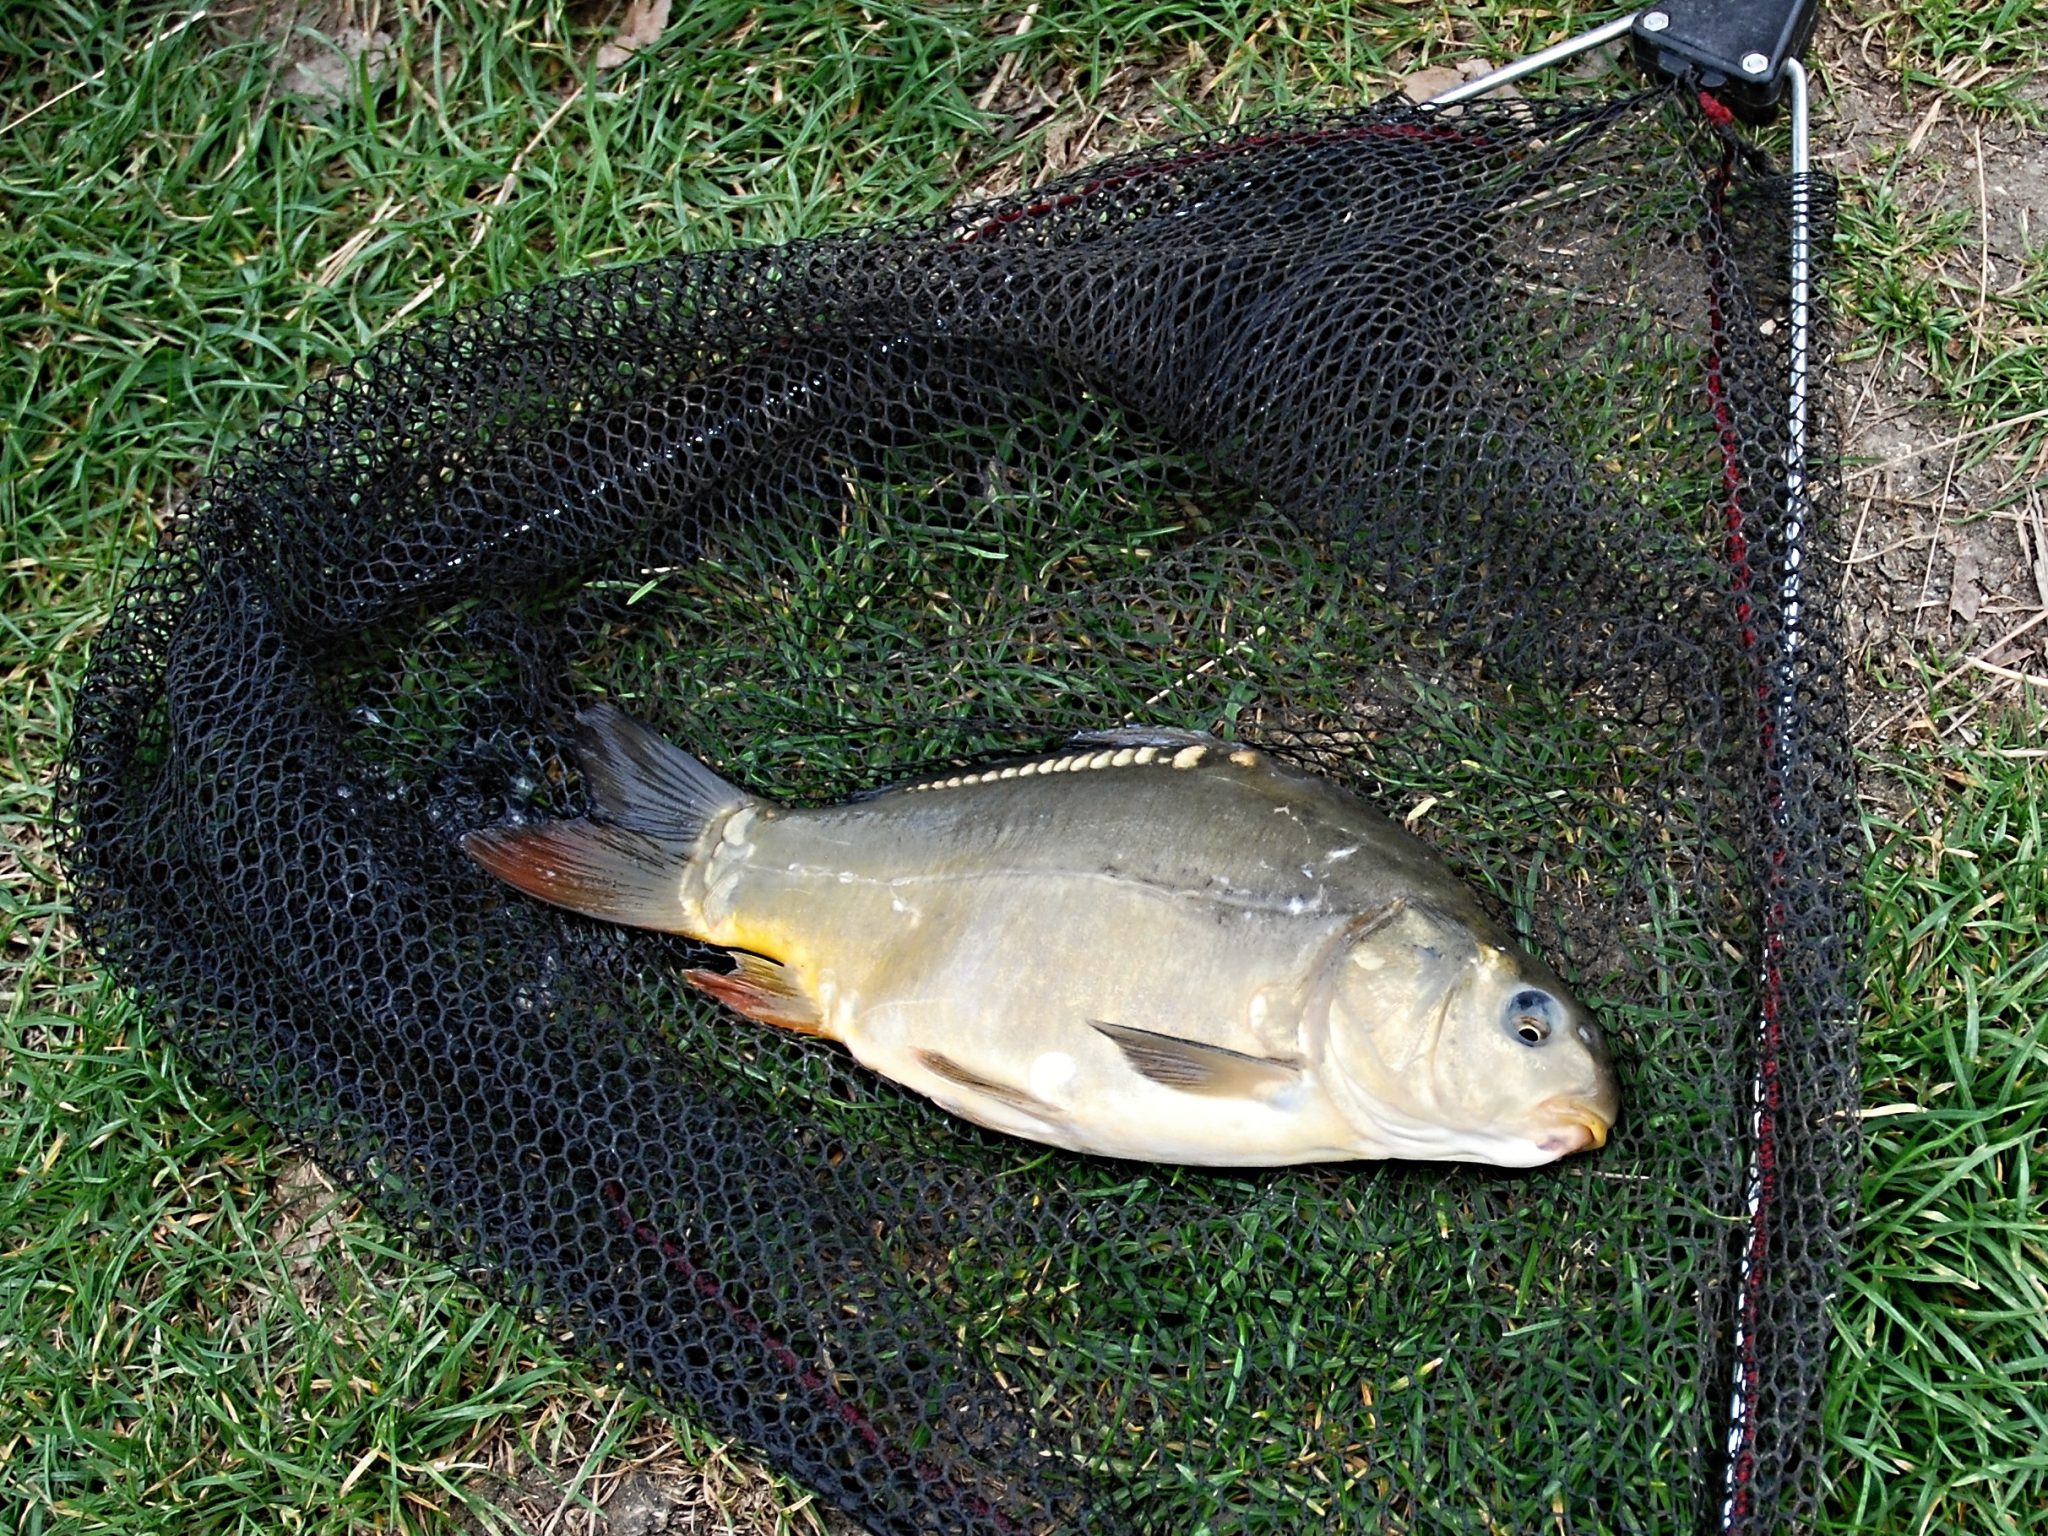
995, 224
707, 1285
1736, 549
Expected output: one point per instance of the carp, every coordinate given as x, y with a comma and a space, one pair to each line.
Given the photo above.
1147, 944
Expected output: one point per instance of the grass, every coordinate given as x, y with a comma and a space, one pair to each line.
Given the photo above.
1924, 287
190, 1339
1940, 1388
1917, 293
1979, 57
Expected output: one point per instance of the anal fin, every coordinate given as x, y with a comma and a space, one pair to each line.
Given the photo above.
762, 989
1192, 1067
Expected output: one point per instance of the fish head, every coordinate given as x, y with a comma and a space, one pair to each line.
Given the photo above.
1445, 1041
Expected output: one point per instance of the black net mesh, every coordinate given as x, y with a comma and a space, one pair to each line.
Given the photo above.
1447, 452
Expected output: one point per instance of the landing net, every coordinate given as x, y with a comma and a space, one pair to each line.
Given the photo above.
1444, 450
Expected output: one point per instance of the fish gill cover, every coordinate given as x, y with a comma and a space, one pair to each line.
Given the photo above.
1445, 452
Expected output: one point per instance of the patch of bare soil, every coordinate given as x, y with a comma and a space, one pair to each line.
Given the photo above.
1945, 514
646, 1487
308, 1213
1140, 102
320, 44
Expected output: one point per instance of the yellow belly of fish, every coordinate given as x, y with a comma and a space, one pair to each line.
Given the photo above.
983, 992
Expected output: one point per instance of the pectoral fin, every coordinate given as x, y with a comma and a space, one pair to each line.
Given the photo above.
1193, 1067
762, 989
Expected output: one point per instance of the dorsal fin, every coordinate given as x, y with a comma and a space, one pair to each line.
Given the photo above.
1150, 736
1123, 747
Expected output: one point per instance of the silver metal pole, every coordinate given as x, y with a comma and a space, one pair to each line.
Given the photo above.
1556, 53
1801, 319
1784, 707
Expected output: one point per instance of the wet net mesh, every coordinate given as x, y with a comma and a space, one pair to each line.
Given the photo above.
1445, 452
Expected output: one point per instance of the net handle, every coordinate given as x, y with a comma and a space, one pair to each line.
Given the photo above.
1556, 53
1737, 1510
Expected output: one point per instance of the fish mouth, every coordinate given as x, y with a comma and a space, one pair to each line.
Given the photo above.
1584, 1128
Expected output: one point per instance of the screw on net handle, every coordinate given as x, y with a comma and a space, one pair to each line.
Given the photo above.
1737, 49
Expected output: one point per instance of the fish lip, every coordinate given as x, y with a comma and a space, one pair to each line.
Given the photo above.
1584, 1129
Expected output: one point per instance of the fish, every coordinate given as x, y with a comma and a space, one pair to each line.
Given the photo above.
1150, 944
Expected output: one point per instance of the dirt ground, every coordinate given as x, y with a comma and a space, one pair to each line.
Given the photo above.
1946, 522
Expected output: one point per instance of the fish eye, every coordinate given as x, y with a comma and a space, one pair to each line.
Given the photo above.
1532, 1016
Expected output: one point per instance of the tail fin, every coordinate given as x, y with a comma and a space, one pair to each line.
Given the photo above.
625, 862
